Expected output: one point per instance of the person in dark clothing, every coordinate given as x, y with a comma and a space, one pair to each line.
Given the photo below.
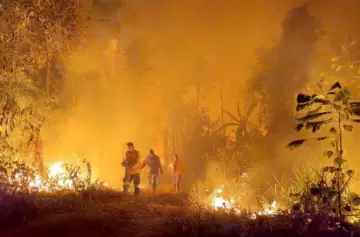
154, 164
176, 170
132, 164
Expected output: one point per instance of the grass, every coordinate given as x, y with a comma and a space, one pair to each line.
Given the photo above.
110, 213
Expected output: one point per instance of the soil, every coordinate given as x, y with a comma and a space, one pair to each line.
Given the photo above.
162, 214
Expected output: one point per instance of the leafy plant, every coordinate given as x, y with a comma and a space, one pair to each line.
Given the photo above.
335, 110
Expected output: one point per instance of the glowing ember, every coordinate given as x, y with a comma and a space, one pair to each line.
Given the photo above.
269, 209
231, 206
219, 203
56, 169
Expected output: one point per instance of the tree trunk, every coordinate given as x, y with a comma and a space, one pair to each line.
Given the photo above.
48, 76
339, 167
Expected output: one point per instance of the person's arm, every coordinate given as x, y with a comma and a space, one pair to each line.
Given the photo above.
144, 163
123, 163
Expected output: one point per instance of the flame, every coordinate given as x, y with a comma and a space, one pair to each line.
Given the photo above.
56, 169
219, 203
269, 209
57, 175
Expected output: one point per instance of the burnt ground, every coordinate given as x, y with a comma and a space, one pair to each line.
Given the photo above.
164, 214
118, 216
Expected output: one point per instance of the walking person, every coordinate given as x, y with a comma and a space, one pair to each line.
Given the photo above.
154, 164
132, 165
176, 170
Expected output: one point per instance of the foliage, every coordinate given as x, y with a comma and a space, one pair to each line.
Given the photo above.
199, 138
335, 110
245, 131
17, 177
23, 109
285, 65
33, 31
345, 66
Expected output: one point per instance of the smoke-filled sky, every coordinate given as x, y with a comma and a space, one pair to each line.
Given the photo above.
215, 40
226, 33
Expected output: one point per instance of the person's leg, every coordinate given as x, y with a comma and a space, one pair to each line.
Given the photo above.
154, 182
136, 179
174, 181
126, 183
178, 180
150, 178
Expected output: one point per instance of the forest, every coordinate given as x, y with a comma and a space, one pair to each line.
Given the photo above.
269, 150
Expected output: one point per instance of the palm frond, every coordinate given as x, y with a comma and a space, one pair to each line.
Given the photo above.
233, 117
336, 85
226, 125
315, 126
309, 117
295, 144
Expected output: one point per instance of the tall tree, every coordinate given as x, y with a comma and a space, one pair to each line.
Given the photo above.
283, 70
333, 107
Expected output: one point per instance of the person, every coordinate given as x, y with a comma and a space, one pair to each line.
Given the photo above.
132, 166
176, 170
154, 164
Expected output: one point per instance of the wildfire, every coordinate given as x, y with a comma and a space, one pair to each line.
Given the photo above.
220, 203
269, 209
57, 175
58, 178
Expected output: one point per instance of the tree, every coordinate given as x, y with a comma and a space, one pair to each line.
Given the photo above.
346, 65
336, 109
35, 33
245, 130
199, 137
286, 66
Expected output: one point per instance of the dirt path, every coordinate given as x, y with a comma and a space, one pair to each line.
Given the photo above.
151, 216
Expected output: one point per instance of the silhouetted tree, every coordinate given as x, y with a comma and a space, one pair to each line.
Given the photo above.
335, 108
283, 70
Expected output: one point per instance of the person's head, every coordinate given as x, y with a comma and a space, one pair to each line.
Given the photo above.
130, 146
152, 152
176, 157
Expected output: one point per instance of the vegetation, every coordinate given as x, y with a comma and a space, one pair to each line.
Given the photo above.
335, 110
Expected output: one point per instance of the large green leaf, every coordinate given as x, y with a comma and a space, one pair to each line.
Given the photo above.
295, 144
336, 85
299, 127
328, 154
342, 95
303, 98
321, 138
348, 127
321, 101
354, 108
315, 126
314, 111
309, 117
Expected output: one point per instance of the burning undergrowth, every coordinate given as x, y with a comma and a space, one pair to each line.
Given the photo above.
18, 177
234, 197
26, 193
